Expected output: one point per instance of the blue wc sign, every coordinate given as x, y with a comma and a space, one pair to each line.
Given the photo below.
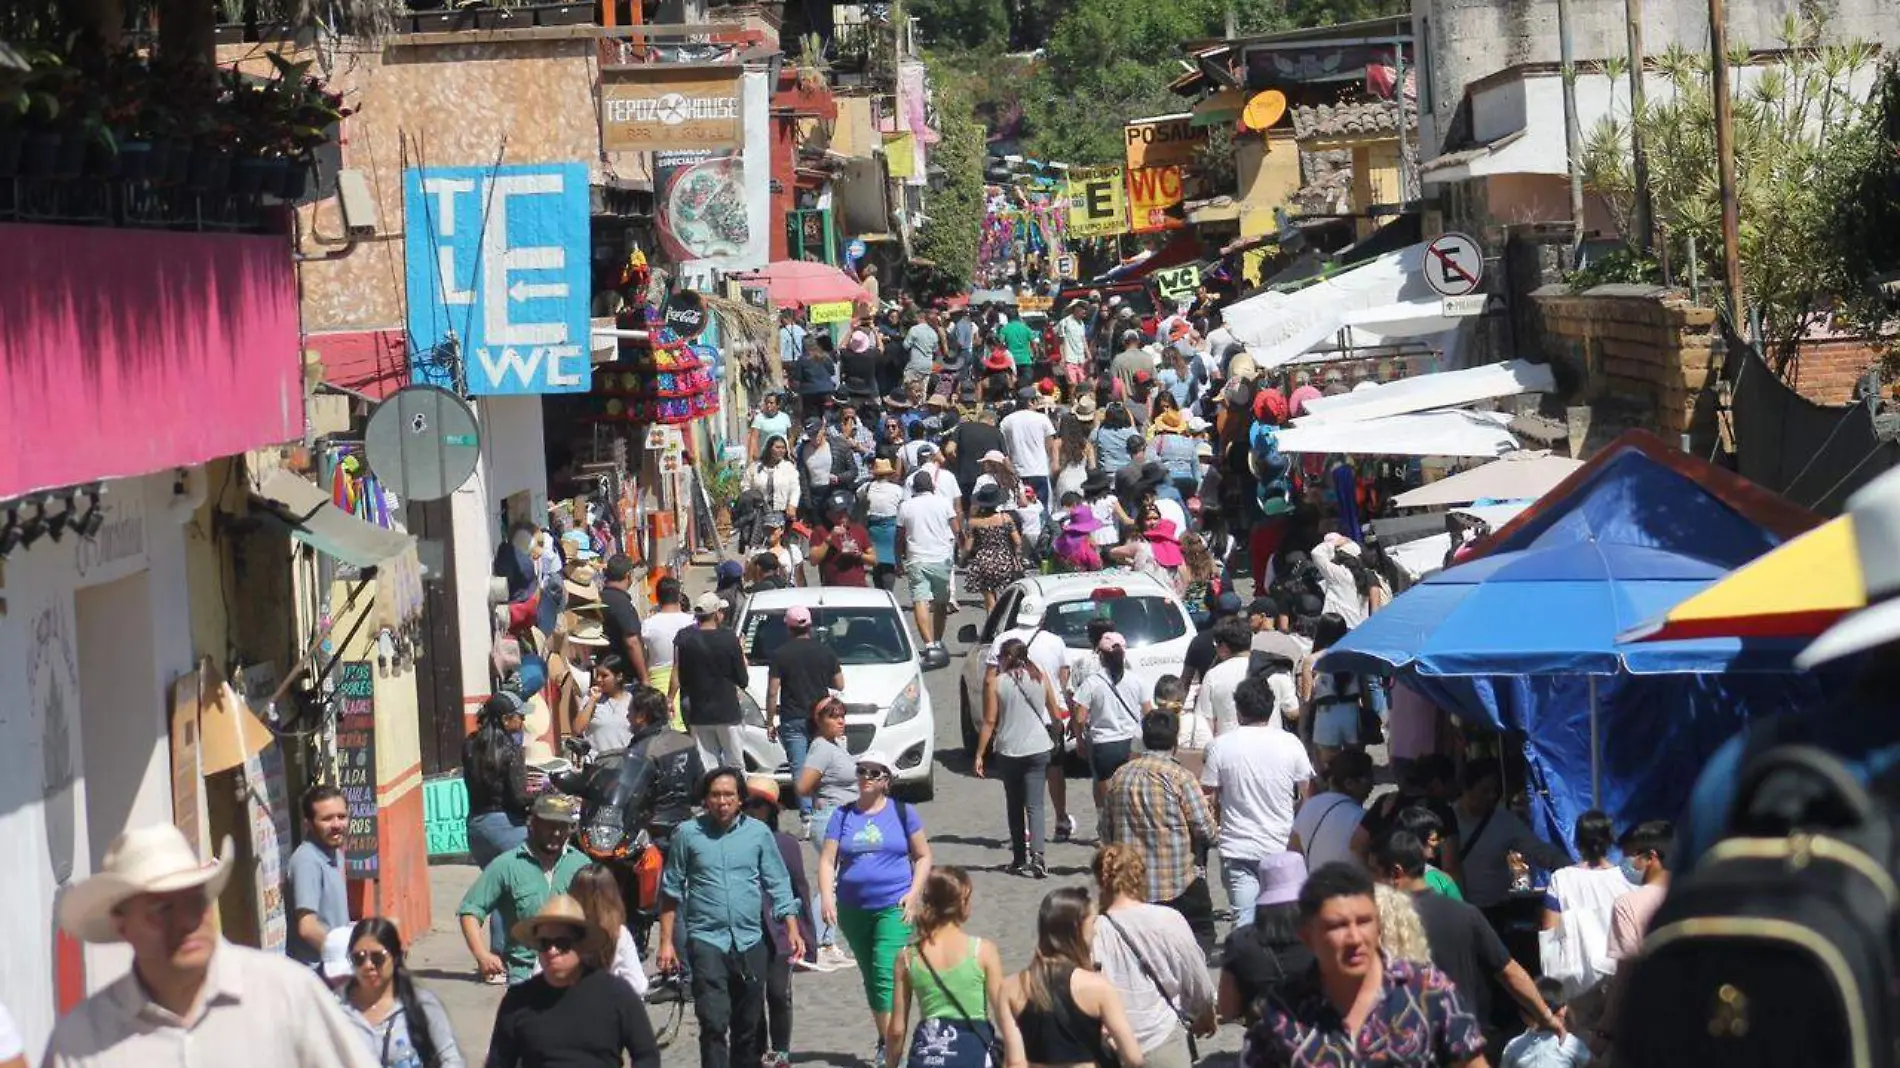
497, 260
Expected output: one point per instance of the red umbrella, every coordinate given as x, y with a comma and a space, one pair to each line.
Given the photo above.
795, 282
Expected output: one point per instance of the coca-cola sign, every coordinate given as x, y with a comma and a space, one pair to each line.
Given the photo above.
685, 313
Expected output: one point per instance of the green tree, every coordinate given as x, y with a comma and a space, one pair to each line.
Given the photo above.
1798, 130
963, 25
1867, 217
954, 207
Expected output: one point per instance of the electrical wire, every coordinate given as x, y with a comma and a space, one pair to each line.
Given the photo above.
1851, 472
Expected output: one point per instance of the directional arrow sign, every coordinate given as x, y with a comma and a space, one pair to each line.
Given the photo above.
530, 291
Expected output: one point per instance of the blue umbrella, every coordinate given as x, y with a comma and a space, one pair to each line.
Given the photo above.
1548, 611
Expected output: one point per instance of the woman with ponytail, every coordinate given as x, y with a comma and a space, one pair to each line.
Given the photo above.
957, 981
1149, 953
1022, 716
402, 1025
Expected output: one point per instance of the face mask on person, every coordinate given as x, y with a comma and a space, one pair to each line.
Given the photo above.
1632, 871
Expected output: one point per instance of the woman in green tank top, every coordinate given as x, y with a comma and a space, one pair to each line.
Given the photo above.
957, 982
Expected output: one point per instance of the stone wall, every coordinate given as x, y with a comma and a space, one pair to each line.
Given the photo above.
1641, 354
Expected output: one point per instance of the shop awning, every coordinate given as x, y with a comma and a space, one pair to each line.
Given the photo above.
1386, 295
1519, 476
1224, 106
1183, 247
1445, 389
1795, 591
1453, 433
313, 520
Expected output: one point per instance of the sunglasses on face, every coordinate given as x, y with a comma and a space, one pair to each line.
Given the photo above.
557, 945
374, 957
873, 774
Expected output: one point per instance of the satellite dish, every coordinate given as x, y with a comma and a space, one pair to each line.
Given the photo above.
423, 443
1263, 110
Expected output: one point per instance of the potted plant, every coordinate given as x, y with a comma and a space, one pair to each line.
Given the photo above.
503, 17
724, 479
575, 14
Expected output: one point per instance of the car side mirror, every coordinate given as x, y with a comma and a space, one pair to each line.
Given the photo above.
967, 634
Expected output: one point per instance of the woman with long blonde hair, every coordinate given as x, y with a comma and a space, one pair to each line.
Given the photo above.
598, 891
957, 981
1069, 1016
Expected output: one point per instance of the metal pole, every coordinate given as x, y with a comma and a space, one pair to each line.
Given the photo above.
1573, 136
1398, 97
1639, 156
1596, 752
1725, 165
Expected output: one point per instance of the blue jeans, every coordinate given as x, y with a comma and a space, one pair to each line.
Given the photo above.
1241, 877
490, 835
820, 819
794, 737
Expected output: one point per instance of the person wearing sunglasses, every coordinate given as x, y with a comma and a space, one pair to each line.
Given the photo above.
402, 1025
571, 1013
874, 863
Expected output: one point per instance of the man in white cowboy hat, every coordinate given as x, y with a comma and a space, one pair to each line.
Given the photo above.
517, 883
574, 1012
725, 868
191, 997
1864, 733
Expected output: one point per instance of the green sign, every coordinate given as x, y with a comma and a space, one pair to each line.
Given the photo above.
445, 816
1178, 282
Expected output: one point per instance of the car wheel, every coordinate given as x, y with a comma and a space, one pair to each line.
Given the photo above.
918, 792
967, 725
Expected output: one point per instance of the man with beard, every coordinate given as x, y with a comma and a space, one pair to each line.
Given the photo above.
517, 884
314, 877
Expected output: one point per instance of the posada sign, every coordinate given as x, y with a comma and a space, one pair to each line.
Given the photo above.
661, 110
1166, 141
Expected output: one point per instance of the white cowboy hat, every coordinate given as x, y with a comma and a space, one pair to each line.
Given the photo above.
144, 860
336, 954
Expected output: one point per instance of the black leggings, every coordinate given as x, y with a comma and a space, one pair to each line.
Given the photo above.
778, 1001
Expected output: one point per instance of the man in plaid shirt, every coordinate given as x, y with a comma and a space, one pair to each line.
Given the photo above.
1157, 806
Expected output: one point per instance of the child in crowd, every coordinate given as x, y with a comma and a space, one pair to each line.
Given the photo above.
1537, 1048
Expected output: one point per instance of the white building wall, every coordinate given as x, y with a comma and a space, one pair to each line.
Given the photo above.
92, 636
513, 460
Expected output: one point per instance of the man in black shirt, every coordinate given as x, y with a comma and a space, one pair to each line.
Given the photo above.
802, 672
709, 669
1463, 944
622, 620
965, 446
1200, 651
770, 573
573, 1013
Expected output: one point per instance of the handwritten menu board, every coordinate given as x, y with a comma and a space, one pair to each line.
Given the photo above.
356, 764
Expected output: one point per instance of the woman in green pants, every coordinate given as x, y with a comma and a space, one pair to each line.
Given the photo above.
874, 863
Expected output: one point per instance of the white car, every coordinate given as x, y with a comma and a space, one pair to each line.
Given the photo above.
1145, 612
887, 705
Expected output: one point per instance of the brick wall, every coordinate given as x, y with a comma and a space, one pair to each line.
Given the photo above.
1827, 371
1642, 351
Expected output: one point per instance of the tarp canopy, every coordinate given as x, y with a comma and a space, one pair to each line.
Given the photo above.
1443, 389
793, 283
1423, 556
1385, 297
1523, 636
1523, 475
1452, 433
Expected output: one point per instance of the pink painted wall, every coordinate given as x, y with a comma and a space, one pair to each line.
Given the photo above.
124, 352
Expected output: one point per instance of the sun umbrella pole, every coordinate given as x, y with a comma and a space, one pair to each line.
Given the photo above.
1596, 751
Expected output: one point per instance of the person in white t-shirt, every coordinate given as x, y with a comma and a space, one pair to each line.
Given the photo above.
658, 631
1252, 775
1327, 826
1215, 701
1051, 657
1108, 706
1030, 439
927, 533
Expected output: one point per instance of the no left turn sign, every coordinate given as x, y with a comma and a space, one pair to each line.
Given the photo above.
1454, 265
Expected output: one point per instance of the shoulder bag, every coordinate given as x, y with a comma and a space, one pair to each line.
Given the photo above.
978, 1027
1187, 1025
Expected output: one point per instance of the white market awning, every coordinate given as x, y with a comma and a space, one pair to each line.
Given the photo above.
1424, 556
1452, 433
1270, 319
1445, 389
1517, 476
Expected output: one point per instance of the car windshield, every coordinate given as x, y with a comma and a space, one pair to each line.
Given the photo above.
1143, 620
862, 635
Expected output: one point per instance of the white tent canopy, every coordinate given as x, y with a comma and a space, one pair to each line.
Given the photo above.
1446, 389
1423, 556
1384, 298
1450, 433
1516, 476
